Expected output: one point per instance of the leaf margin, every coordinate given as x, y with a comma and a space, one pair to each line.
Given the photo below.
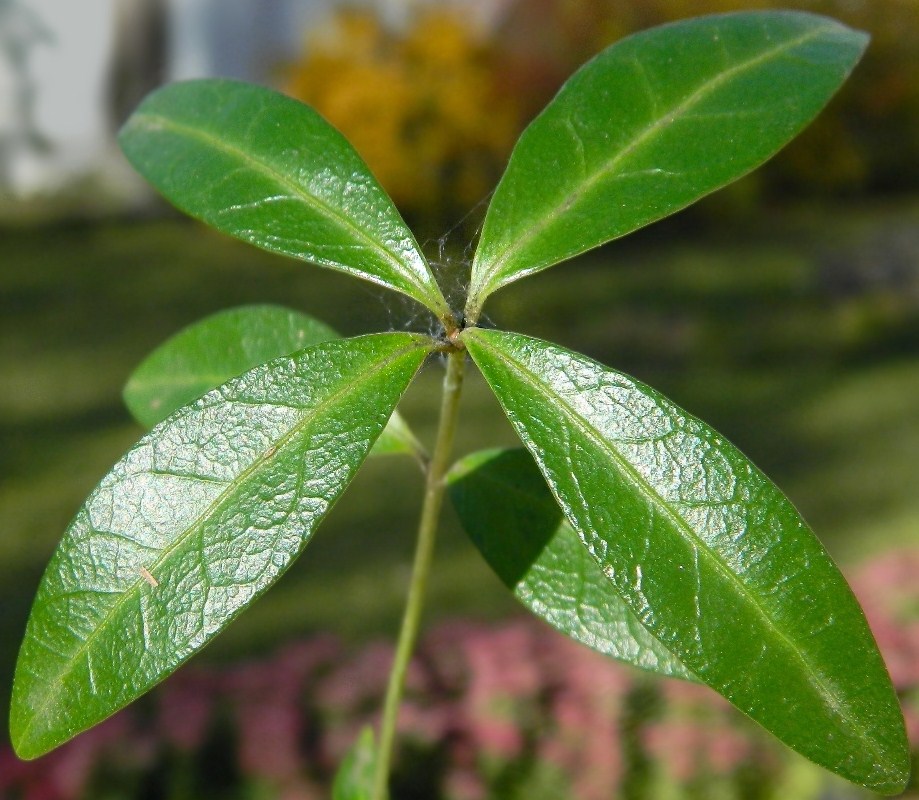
30, 742
479, 465
484, 281
888, 778
152, 118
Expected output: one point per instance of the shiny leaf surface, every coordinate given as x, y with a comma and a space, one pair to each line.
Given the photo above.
354, 779
713, 560
509, 513
652, 124
268, 169
195, 522
211, 351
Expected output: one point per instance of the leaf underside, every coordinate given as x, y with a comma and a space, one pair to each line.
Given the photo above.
269, 170
652, 124
209, 352
195, 522
509, 513
713, 560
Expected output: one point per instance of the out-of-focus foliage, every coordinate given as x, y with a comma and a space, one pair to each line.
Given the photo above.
435, 105
511, 711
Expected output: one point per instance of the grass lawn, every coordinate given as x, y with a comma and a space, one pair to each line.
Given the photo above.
800, 342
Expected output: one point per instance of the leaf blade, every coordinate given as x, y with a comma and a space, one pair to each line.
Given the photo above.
652, 124
188, 529
510, 514
713, 559
269, 170
212, 350
354, 778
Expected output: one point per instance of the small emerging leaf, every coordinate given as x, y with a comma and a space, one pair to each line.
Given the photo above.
268, 169
354, 779
211, 351
398, 439
652, 124
509, 513
194, 523
710, 556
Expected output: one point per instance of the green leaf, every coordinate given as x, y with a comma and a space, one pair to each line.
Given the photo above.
354, 779
268, 169
211, 351
398, 439
710, 556
194, 523
509, 513
652, 124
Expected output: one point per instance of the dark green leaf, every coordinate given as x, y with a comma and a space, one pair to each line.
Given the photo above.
508, 511
268, 169
226, 344
354, 779
195, 522
713, 560
652, 124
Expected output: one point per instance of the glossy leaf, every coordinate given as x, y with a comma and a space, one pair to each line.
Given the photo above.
268, 169
652, 124
211, 351
509, 513
195, 522
713, 560
354, 778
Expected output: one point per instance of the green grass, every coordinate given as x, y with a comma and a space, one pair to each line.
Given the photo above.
817, 383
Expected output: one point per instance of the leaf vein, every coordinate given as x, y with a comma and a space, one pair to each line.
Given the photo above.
677, 112
197, 528
829, 692
314, 201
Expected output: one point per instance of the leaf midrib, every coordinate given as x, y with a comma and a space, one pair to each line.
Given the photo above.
643, 487
270, 453
671, 116
315, 202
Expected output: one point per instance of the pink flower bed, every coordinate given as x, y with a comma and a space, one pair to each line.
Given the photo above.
493, 711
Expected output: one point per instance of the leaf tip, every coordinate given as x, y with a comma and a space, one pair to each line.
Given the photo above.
26, 744
894, 776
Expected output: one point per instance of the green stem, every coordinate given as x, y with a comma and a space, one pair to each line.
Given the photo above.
424, 551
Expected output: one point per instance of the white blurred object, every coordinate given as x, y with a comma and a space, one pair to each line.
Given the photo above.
21, 143
72, 70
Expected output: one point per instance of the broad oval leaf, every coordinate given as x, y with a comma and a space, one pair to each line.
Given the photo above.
211, 351
195, 522
509, 513
267, 169
354, 778
652, 124
710, 556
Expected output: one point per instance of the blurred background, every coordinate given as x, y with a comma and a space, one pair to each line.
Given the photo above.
784, 310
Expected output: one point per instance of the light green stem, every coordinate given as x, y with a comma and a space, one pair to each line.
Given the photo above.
424, 551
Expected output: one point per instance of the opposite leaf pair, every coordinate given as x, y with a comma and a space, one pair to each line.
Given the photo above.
646, 536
